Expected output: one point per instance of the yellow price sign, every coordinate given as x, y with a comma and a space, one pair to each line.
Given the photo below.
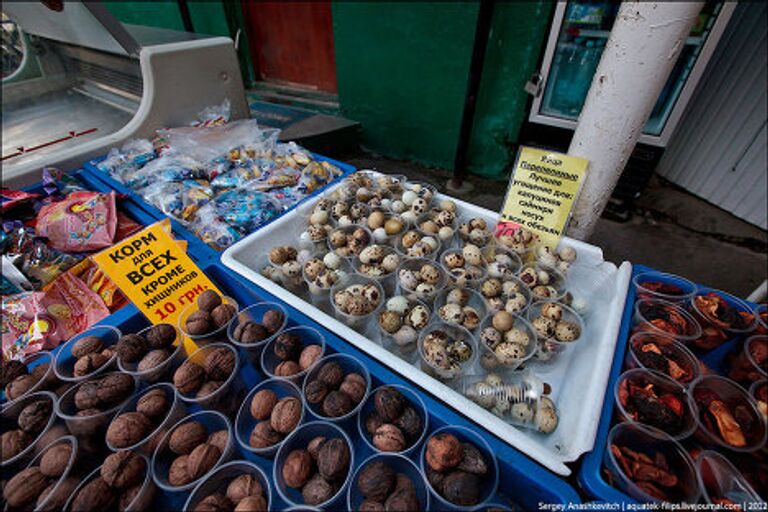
541, 193
154, 271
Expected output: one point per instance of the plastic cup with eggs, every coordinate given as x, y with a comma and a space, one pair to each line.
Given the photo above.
460, 271
391, 185
506, 341
421, 279
545, 283
501, 262
418, 190
319, 224
385, 226
561, 259
321, 272
415, 244
349, 241
356, 301
439, 223
286, 262
447, 351
460, 306
558, 328
350, 213
520, 241
510, 295
401, 320
475, 230
379, 263
521, 399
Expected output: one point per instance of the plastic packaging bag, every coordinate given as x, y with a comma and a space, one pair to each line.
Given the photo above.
83, 221
208, 143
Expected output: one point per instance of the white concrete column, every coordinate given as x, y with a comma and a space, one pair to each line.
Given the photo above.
641, 51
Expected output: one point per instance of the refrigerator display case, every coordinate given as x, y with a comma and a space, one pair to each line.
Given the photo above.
577, 38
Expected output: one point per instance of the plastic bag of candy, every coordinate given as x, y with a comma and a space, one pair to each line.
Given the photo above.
208, 143
82, 221
134, 154
246, 209
212, 229
178, 199
169, 167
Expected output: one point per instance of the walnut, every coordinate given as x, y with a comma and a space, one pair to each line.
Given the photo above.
443, 452
123, 469
297, 468
376, 481
286, 415
333, 459
202, 459
186, 437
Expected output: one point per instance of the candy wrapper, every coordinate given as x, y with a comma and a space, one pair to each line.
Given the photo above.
10, 199
246, 209
132, 156
211, 228
167, 168
181, 199
83, 221
34, 321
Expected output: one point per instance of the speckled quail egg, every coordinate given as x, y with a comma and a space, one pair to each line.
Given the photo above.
479, 237
380, 235
543, 277
544, 326
503, 259
483, 395
494, 303
325, 279
393, 226
418, 250
453, 260
552, 310
448, 205
472, 254
398, 206
408, 279
464, 230
319, 217
509, 288
503, 321
419, 206
471, 317
338, 239
398, 303
358, 306
517, 336
491, 288
317, 233
291, 268
409, 196
364, 194
408, 216
490, 337
445, 218
567, 331
563, 266
418, 317
312, 268
545, 256
376, 219
438, 336
521, 412
445, 233
516, 303
356, 289
425, 290
459, 276
339, 209
528, 276
372, 294
405, 336
458, 296
332, 260
372, 254
429, 274
494, 380
459, 351
496, 269
567, 254
390, 321
386, 203
541, 292
410, 238
358, 211
341, 298
431, 242
502, 406
390, 262
429, 226
451, 313
509, 353
345, 220
271, 273
478, 223
371, 270
546, 417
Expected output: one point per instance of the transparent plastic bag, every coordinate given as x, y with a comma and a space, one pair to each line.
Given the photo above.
208, 143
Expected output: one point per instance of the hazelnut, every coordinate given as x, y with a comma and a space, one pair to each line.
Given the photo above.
309, 355
199, 323
153, 404
178, 474
250, 332
443, 452
208, 300
186, 437
243, 487
287, 368
219, 363
272, 320
95, 496
214, 503
219, 439
286, 415
160, 336
297, 468
128, 429
314, 446
287, 346
315, 392
189, 377
54, 461
318, 490
355, 386
332, 374
34, 417
222, 314
461, 488
389, 403
202, 459
13, 443
337, 403
376, 481
86, 345
264, 436
131, 348
123, 469
333, 459
262, 404
389, 438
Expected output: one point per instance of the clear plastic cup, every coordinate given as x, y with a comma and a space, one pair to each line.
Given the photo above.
404, 346
651, 285
143, 499
400, 465
391, 184
254, 313
740, 306
507, 262
422, 189
492, 361
309, 336
213, 421
556, 281
414, 400
245, 422
661, 352
218, 480
749, 364
387, 280
464, 275
9, 415
550, 349
299, 439
484, 239
218, 334
366, 240
70, 469
46, 382
364, 324
349, 364
93, 425
430, 215
650, 442
428, 254
453, 371
648, 310
164, 370
663, 385
720, 480
226, 398
761, 317
175, 412
414, 265
348, 220
474, 301
759, 393
703, 389
64, 364
500, 302
489, 483
319, 296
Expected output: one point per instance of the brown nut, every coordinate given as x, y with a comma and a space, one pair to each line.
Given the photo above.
221, 315
219, 363
272, 320
250, 332
123, 469
208, 388
128, 497
410, 423
9, 370
189, 377
55, 496
160, 336
264, 436
214, 503
314, 446
297, 468
24, 487
86, 345
262, 404
315, 392
252, 504
472, 460
186, 437
202, 459
50, 435
128, 429
115, 388
20, 386
287, 346
355, 386
219, 439
371, 506
376, 481
153, 359
199, 323
337, 403
286, 415
244, 486
208, 300
389, 403
54, 461
333, 459
153, 404
402, 499
89, 363
309, 356
86, 396
444, 452
34, 417
461, 488
287, 368
318, 490
178, 474
13, 443
332, 374
389, 438
131, 348
95, 496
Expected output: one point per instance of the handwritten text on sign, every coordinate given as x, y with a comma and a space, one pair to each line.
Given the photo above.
154, 273
541, 193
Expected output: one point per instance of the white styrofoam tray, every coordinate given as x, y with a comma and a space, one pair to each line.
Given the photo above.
578, 380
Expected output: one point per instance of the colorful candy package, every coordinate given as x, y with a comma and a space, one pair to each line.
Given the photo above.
82, 222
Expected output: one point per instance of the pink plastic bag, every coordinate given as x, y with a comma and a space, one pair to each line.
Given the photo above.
82, 222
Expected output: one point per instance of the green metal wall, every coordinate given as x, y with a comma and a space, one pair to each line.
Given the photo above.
207, 16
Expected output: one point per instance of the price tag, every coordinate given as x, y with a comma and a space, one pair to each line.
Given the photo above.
154, 271
541, 193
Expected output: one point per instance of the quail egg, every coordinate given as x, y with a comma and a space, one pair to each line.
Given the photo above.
398, 304
567, 331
